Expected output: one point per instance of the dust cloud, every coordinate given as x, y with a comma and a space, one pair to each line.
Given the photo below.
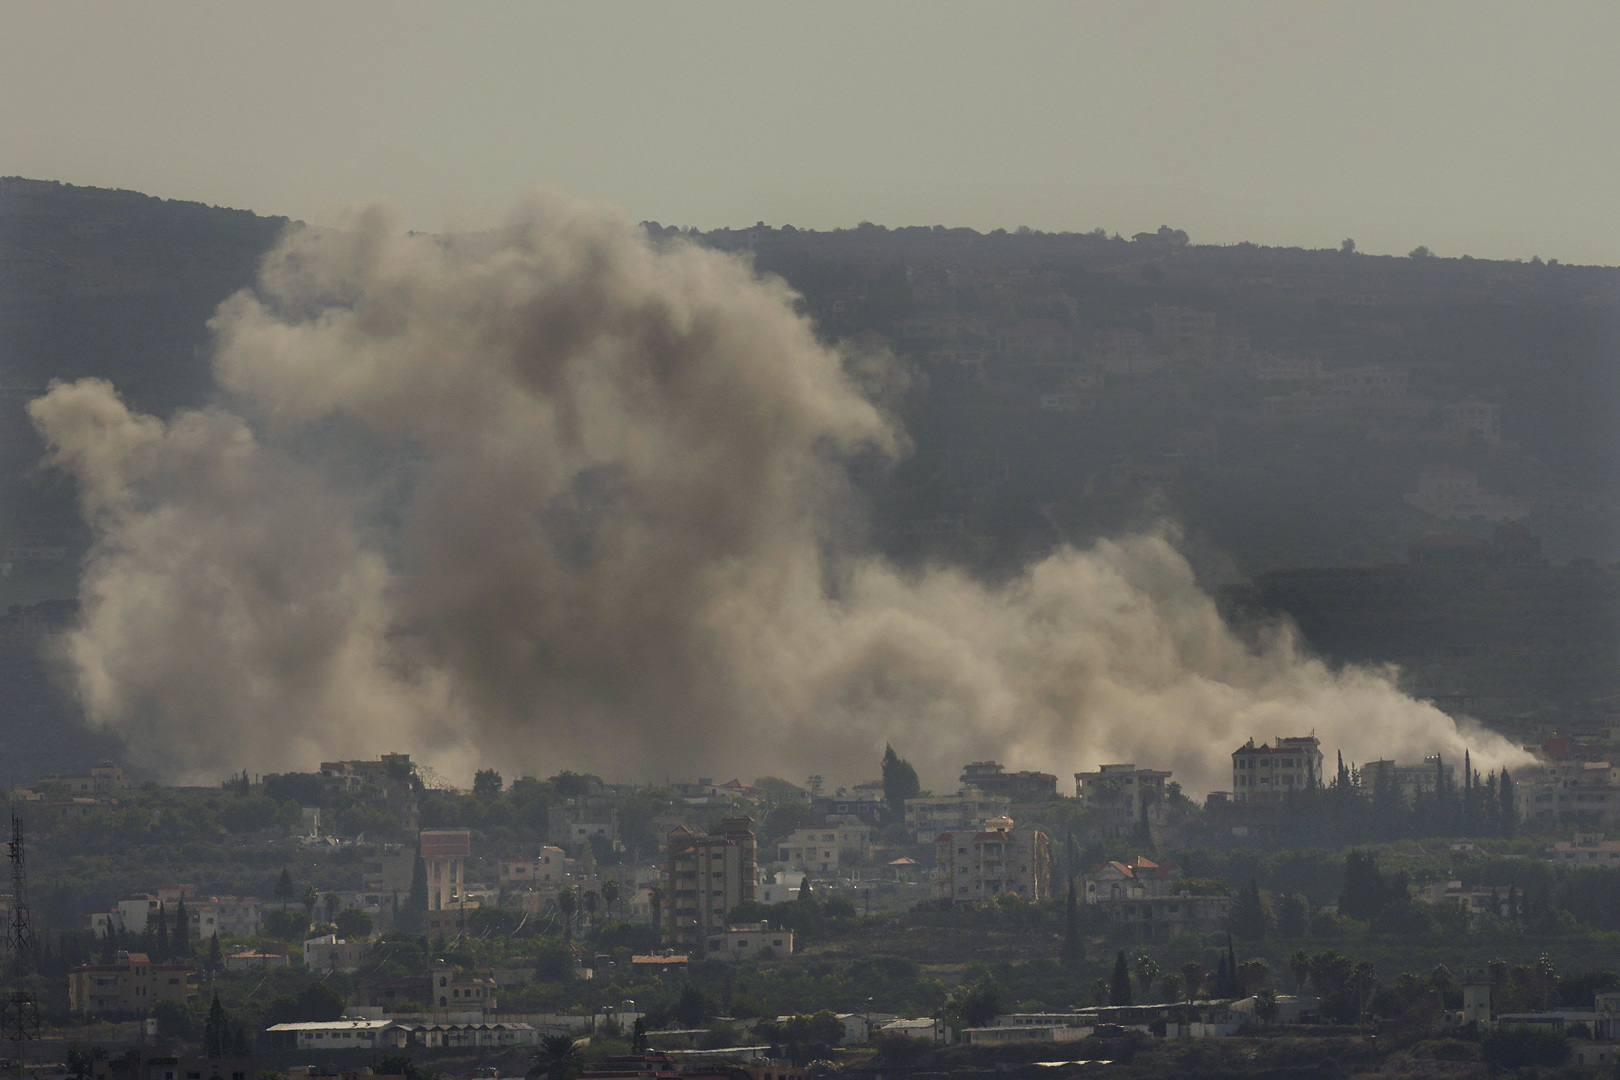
555, 496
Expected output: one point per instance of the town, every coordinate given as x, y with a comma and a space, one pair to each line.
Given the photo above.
370, 911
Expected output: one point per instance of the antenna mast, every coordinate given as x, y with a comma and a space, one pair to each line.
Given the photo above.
22, 1013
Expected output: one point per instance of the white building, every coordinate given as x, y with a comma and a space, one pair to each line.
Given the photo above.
969, 808
444, 855
1266, 773
328, 953
824, 848
982, 865
549, 869
1119, 792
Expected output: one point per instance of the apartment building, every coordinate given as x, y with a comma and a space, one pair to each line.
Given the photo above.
749, 941
1118, 793
969, 809
825, 848
547, 869
1266, 773
131, 983
706, 875
981, 865
992, 779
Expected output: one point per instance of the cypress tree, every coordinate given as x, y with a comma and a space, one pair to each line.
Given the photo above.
1074, 949
1119, 987
182, 930
162, 948
216, 1031
1509, 808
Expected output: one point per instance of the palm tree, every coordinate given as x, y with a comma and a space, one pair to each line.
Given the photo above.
589, 903
556, 1058
610, 894
1147, 973
1265, 1004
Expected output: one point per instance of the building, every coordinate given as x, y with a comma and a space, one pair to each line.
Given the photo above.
708, 874
1410, 779
460, 993
969, 809
329, 953
254, 960
988, 777
445, 853
780, 887
1135, 879
584, 818
1118, 793
974, 866
103, 780
863, 804
1266, 773
1587, 849
1584, 792
131, 983
144, 1063
345, 1034
749, 941
1161, 917
1474, 417
825, 848
1449, 493
548, 869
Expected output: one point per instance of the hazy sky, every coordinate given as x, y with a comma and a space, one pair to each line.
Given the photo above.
1487, 129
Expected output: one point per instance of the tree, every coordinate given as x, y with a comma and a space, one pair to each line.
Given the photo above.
162, 937
1248, 915
214, 962
241, 1045
1170, 988
285, 891
1293, 919
1364, 893
1508, 807
416, 904
655, 901
976, 1005
352, 923
1347, 247
311, 900
1419, 252
1147, 971
638, 1036
556, 1058
610, 894
487, 784
1252, 975
182, 930
1074, 948
1119, 986
805, 895
1265, 1004
216, 1032
899, 782
567, 903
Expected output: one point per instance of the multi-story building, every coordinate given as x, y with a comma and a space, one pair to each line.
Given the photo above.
1587, 792
582, 819
990, 778
547, 870
930, 815
1266, 773
329, 953
102, 780
444, 854
973, 866
825, 848
131, 983
1119, 793
862, 804
707, 874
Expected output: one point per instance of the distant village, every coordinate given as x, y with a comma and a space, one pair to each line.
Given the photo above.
727, 877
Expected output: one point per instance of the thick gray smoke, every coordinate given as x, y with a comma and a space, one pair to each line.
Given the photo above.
612, 544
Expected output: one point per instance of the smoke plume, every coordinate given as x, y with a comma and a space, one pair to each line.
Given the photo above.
607, 535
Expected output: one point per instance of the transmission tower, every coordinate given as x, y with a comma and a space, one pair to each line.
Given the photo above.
22, 1013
